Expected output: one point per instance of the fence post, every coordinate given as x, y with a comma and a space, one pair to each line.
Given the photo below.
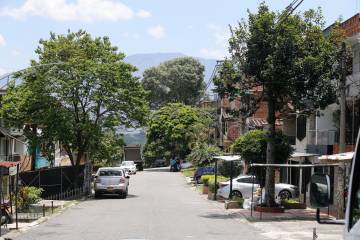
43, 210
52, 207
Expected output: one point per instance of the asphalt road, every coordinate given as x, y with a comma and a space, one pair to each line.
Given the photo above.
160, 206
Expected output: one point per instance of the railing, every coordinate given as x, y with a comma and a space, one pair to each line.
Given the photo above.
75, 193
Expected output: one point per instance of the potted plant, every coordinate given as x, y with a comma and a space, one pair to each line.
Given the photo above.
235, 202
292, 204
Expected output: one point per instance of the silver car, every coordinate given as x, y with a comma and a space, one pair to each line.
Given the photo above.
111, 180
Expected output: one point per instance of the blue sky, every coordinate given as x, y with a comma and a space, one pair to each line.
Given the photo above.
194, 27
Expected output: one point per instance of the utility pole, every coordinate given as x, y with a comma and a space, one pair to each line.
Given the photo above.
342, 89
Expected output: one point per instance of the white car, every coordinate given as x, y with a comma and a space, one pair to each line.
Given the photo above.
242, 187
129, 167
111, 180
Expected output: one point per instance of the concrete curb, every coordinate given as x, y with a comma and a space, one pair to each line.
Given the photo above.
13, 232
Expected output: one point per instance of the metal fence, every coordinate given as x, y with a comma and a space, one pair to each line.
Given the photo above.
37, 211
71, 194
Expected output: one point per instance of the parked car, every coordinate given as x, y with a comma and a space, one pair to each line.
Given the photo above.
159, 163
203, 171
242, 187
129, 167
111, 180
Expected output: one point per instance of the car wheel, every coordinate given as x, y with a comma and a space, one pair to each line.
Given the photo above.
284, 194
97, 195
236, 193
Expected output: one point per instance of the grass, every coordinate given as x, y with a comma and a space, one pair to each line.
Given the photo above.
189, 172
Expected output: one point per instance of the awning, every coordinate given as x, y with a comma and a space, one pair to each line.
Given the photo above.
8, 164
339, 156
293, 165
228, 158
300, 154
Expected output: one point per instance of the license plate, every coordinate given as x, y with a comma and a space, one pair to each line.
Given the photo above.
109, 189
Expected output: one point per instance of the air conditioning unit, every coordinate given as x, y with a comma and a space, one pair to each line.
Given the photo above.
16, 131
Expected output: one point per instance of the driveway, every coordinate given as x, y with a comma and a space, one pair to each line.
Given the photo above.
160, 206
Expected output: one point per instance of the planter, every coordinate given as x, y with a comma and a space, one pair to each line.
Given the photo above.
205, 189
270, 209
294, 205
211, 196
232, 205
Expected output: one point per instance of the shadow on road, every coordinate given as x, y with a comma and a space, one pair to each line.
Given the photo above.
219, 216
113, 196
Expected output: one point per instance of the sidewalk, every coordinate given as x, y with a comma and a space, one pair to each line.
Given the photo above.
294, 224
10, 230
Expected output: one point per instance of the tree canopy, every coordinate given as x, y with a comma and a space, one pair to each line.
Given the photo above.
177, 80
79, 87
172, 130
252, 148
287, 58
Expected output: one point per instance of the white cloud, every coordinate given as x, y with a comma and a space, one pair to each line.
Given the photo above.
79, 10
220, 36
2, 41
157, 31
143, 13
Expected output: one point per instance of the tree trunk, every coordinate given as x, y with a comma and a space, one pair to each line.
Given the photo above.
342, 143
270, 153
33, 150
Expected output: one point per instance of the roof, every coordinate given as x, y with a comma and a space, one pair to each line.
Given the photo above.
8, 164
230, 158
261, 122
339, 156
293, 165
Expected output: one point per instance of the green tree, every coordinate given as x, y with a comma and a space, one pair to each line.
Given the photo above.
89, 90
178, 80
289, 60
110, 149
252, 148
202, 153
171, 131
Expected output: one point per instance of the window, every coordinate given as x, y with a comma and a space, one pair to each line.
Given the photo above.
247, 180
110, 173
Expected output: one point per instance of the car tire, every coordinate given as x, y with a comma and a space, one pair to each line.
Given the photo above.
284, 194
97, 195
236, 193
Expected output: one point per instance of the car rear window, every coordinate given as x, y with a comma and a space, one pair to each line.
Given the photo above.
110, 173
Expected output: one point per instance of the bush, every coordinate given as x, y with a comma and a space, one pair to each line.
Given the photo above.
225, 168
29, 195
205, 179
211, 182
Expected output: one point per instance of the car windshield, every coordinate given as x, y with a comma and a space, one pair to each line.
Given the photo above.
110, 173
127, 163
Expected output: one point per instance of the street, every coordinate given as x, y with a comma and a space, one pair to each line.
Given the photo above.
159, 206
